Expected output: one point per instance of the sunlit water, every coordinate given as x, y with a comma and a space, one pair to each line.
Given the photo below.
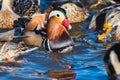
86, 60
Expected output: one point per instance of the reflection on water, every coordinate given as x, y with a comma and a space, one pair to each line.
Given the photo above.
86, 61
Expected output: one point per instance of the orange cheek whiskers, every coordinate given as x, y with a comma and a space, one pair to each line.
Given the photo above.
56, 33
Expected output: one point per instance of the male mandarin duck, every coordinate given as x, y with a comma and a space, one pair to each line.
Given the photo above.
59, 39
112, 62
111, 26
35, 30
7, 16
76, 12
26, 8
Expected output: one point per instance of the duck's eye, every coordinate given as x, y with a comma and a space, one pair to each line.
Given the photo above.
112, 16
58, 15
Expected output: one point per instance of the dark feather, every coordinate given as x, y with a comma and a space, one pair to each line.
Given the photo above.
61, 41
25, 7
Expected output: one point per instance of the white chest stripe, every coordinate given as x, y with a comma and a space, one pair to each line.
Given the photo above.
49, 45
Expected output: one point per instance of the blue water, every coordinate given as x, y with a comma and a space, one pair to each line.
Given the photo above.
86, 60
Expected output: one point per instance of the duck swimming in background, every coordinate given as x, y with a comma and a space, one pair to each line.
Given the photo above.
112, 62
59, 39
104, 1
7, 16
26, 8
98, 19
111, 26
75, 11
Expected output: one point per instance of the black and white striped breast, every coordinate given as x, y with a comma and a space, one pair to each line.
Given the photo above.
26, 8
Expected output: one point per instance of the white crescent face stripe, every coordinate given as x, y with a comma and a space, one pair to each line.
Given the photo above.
55, 13
115, 62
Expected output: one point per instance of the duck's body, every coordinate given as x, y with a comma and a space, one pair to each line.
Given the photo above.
75, 11
26, 8
33, 39
10, 51
112, 62
59, 39
111, 26
7, 16
34, 29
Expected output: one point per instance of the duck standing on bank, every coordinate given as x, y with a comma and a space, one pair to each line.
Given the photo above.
112, 62
59, 39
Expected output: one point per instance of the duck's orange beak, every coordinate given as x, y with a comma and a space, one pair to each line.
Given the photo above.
106, 29
66, 23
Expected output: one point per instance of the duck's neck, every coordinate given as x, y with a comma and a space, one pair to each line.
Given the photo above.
6, 4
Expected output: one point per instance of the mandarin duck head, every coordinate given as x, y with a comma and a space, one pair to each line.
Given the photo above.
112, 62
111, 27
75, 10
57, 30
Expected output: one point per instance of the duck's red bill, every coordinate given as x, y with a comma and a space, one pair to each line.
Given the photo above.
66, 23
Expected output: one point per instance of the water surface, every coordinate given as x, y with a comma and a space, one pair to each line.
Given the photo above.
86, 60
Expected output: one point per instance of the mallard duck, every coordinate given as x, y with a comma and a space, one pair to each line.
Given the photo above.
35, 30
111, 27
59, 39
98, 19
112, 62
75, 11
26, 8
7, 16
